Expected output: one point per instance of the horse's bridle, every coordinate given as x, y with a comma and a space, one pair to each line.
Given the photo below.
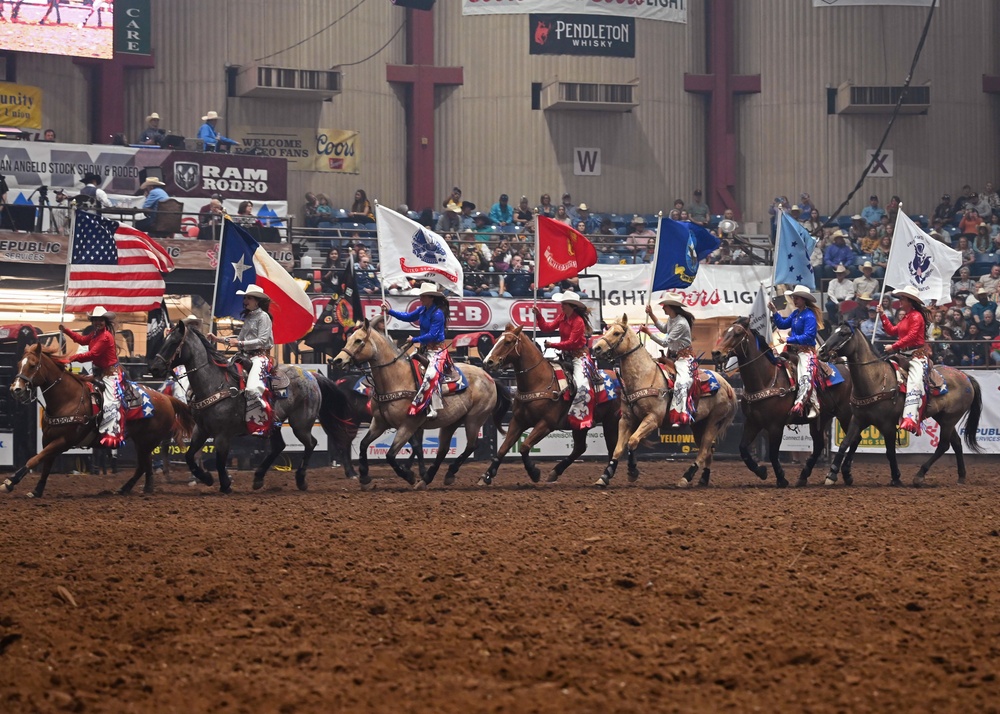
517, 352
612, 348
745, 337
357, 363
30, 381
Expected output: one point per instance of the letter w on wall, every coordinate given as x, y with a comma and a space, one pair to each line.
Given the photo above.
586, 162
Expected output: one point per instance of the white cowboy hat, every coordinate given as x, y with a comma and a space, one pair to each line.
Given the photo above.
431, 289
864, 297
841, 269
191, 319
671, 299
908, 292
867, 264
639, 220
803, 292
152, 116
100, 313
254, 291
583, 207
840, 233
569, 296
151, 181
210, 115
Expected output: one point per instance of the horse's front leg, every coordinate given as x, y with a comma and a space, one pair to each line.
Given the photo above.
403, 434
375, 430
624, 429
853, 434
538, 432
417, 452
774, 436
889, 437
144, 465
472, 430
48, 453
222, 464
514, 431
198, 439
817, 430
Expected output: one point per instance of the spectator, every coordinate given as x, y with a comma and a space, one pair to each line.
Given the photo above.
796, 213
872, 213
638, 238
893, 208
989, 325
210, 136
991, 282
779, 204
567, 204
983, 242
961, 203
968, 254
477, 282
545, 207
562, 216
647, 255
685, 216
970, 222
591, 222
483, 226
501, 214
866, 284
368, 283
995, 351
674, 215
944, 350
426, 219
806, 204
837, 255
858, 230
944, 210
323, 209
982, 206
837, 291
860, 313
152, 135
698, 210
153, 188
331, 270
963, 287
678, 204
244, 215
60, 212
975, 347
49, 135
309, 213
454, 201
992, 198
210, 218
92, 189
361, 210
884, 228
867, 325
984, 304
994, 226
869, 244
881, 256
465, 217
812, 224
523, 213
449, 222
517, 281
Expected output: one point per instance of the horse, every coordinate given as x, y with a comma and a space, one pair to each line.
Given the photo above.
219, 406
53, 5
877, 401
540, 406
70, 419
767, 401
352, 409
98, 6
396, 381
646, 403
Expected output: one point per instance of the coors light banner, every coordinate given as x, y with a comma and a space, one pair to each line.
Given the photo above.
599, 35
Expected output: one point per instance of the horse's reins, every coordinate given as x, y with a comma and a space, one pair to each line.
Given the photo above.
73, 418
549, 394
630, 399
390, 396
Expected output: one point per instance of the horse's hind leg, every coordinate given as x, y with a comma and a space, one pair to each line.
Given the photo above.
198, 439
853, 435
514, 431
949, 437
472, 440
222, 464
444, 443
750, 431
417, 452
276, 444
817, 430
304, 434
144, 466
956, 446
579, 446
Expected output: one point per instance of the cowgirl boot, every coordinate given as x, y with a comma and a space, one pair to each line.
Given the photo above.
258, 418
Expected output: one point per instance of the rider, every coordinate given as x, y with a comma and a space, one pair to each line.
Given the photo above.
574, 328
911, 334
677, 330
804, 322
103, 353
255, 341
433, 317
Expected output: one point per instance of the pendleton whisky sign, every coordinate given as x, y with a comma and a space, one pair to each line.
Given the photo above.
600, 35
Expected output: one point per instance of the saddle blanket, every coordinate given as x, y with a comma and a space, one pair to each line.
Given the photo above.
605, 389
934, 382
706, 381
135, 401
829, 374
450, 385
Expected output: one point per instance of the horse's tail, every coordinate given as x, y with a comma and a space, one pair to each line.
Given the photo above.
975, 412
335, 414
504, 400
183, 419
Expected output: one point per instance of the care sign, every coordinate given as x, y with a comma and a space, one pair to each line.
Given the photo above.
324, 150
598, 35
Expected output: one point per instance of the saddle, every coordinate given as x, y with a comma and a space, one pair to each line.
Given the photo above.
933, 379
604, 384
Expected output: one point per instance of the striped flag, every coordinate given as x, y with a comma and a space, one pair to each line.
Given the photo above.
114, 266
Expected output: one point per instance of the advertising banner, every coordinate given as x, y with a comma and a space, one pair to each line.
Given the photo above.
20, 106
133, 27
665, 10
187, 174
477, 314
326, 150
596, 35
847, 3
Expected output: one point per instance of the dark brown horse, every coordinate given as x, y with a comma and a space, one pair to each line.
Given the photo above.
70, 421
876, 400
768, 396
539, 406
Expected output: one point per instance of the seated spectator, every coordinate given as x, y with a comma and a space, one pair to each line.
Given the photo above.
870, 242
975, 347
806, 204
860, 313
562, 216
992, 198
210, 218
591, 222
962, 288
331, 271
545, 207
881, 256
426, 218
324, 211
983, 242
49, 135
839, 254
639, 237
523, 214
570, 208
872, 213
685, 217
153, 188
454, 201
152, 135
944, 211
989, 327
970, 222
984, 303
812, 223
867, 326
483, 226
476, 282
449, 222
893, 208
962, 202
501, 213
244, 215
649, 253
368, 283
518, 280
699, 211
937, 322
212, 139
858, 230
309, 214
837, 291
675, 214
866, 284
991, 282
982, 206
884, 227
723, 255
361, 210
944, 350
968, 254
796, 213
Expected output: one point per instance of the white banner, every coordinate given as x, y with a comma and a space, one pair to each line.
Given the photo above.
852, 3
717, 290
988, 434
665, 10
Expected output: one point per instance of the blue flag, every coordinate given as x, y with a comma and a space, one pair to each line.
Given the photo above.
679, 248
791, 254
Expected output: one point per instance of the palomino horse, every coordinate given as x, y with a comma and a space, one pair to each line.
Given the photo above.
646, 403
70, 420
396, 382
219, 407
876, 400
540, 406
767, 401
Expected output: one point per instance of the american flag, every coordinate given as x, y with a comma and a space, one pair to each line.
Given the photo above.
114, 266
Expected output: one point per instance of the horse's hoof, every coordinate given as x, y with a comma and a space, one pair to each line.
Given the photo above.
961, 480
802, 483
632, 478
485, 480
258, 484
449, 479
535, 475
8, 486
149, 491
761, 473
30, 494
918, 481
895, 483
703, 483
419, 486
552, 477
601, 482
782, 483
300, 483
830, 481
367, 485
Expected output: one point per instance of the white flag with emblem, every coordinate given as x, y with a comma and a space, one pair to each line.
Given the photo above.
408, 250
917, 259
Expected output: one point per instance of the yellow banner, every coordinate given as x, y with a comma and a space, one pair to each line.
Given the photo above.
870, 437
325, 150
20, 106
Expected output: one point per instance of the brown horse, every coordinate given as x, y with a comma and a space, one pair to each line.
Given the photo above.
70, 422
646, 403
396, 382
876, 400
538, 405
767, 401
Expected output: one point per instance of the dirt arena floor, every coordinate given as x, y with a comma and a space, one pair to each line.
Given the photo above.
510, 599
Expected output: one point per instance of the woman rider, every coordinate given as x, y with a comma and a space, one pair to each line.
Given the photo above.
573, 324
255, 341
104, 355
804, 321
911, 334
677, 340
433, 317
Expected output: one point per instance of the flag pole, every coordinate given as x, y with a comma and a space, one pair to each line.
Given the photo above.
218, 268
888, 262
69, 263
774, 255
534, 303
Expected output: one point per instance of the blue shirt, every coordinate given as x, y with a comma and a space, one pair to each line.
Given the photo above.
803, 325
154, 197
501, 214
431, 322
838, 255
211, 137
872, 215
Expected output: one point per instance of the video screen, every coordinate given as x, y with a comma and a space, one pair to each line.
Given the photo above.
82, 28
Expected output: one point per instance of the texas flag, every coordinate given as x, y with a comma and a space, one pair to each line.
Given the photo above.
242, 262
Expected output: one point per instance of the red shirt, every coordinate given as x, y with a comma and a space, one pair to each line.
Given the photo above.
572, 332
911, 331
102, 348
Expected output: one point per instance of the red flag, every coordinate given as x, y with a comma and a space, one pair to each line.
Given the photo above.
562, 252
114, 266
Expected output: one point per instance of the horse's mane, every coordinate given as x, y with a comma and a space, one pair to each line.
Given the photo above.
377, 324
213, 353
56, 355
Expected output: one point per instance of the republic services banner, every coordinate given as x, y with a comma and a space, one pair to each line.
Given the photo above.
325, 150
665, 10
20, 106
